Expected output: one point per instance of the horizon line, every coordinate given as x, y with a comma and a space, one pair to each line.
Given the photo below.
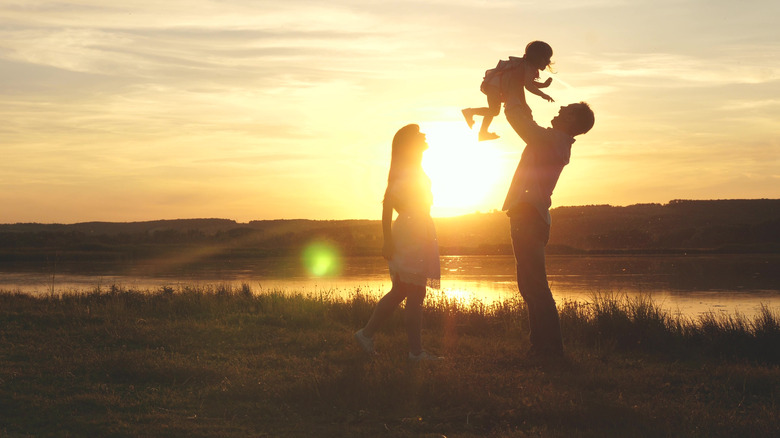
494, 211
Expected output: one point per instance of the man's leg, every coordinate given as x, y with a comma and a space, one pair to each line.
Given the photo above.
529, 237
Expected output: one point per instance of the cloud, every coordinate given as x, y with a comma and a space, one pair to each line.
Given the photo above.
675, 70
761, 104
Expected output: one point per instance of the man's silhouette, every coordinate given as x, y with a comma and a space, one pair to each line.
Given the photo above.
527, 204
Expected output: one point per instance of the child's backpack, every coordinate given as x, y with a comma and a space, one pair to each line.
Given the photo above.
496, 77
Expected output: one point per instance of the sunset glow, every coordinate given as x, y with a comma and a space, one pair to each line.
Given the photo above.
266, 110
463, 171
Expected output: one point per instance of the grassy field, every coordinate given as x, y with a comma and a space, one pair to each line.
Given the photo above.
216, 361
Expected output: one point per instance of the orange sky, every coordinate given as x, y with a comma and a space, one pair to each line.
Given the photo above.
261, 110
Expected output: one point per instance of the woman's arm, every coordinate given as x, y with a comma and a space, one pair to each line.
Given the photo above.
387, 228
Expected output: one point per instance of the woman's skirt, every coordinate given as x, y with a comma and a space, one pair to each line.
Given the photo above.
416, 256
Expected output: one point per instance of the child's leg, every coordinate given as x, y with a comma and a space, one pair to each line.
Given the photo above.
494, 107
468, 114
493, 94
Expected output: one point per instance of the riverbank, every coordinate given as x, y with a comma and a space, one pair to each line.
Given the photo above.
223, 361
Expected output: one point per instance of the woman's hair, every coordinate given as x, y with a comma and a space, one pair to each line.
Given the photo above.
400, 157
537, 51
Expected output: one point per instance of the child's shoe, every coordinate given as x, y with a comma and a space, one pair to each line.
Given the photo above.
469, 117
487, 136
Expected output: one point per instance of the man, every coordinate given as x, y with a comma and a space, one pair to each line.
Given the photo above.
527, 204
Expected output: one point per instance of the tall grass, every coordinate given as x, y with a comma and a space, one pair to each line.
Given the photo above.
606, 321
219, 360
638, 323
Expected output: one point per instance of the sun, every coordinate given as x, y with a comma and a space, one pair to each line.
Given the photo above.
466, 175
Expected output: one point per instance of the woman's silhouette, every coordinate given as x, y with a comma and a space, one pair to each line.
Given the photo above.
410, 245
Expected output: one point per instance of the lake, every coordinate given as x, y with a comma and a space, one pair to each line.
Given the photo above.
686, 285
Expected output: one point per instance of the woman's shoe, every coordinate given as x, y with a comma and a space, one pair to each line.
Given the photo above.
366, 343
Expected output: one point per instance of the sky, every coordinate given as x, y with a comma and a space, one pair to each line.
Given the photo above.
253, 109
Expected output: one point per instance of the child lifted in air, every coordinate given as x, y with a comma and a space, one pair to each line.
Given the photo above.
494, 85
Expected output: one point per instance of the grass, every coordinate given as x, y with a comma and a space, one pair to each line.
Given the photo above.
222, 361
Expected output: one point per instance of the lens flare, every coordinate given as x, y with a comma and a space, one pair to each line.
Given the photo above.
322, 259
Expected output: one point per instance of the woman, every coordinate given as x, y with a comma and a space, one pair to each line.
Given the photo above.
410, 245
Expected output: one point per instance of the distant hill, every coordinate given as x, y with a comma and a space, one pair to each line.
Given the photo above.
735, 225
679, 226
209, 226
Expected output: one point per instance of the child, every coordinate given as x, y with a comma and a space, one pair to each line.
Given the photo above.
494, 85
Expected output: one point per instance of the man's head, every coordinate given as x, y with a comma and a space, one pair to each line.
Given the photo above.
574, 119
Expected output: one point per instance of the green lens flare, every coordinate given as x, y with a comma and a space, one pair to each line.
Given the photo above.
322, 259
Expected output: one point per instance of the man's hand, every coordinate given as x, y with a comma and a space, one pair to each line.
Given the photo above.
547, 98
547, 82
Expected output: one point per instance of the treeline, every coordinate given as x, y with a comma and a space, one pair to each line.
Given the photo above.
728, 226
220, 238
679, 226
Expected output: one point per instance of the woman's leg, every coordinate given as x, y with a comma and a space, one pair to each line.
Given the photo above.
413, 314
385, 307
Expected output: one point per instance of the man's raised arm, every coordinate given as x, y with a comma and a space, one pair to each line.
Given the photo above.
520, 118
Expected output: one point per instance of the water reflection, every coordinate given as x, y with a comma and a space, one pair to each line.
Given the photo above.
684, 285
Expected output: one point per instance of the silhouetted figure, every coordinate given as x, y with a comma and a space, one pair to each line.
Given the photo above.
410, 244
527, 204
495, 84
